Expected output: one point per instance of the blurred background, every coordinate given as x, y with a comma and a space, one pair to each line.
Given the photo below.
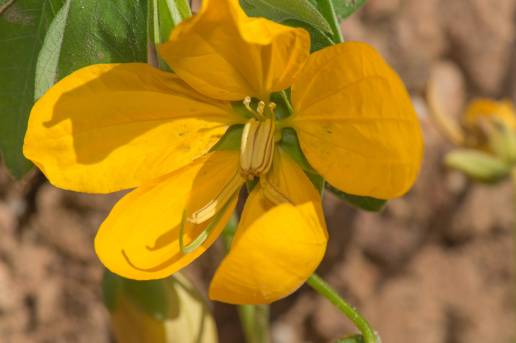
433, 267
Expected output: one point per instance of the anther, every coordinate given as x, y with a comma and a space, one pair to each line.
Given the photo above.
257, 147
214, 206
260, 107
272, 107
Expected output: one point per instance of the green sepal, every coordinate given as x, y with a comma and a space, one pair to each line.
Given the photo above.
231, 140
478, 165
362, 202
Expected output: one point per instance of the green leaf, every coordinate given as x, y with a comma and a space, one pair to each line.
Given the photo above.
345, 8
318, 39
23, 24
282, 10
363, 202
478, 165
179, 10
92, 31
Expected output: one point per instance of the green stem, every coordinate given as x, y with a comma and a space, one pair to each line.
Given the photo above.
321, 287
328, 11
255, 323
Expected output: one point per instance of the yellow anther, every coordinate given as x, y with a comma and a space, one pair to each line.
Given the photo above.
260, 107
272, 108
257, 147
247, 103
216, 204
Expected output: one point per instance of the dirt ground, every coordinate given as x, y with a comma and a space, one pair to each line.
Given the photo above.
434, 267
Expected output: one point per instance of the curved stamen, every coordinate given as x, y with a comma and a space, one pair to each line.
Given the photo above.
256, 114
203, 236
217, 203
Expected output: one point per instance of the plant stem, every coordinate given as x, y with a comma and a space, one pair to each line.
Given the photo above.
255, 322
321, 287
328, 11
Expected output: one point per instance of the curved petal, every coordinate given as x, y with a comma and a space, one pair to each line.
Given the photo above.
140, 237
355, 122
111, 127
276, 247
226, 55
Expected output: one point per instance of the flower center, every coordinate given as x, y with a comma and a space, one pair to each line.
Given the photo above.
257, 145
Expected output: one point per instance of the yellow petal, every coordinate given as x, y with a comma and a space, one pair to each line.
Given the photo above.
480, 109
276, 247
110, 127
226, 55
140, 237
355, 122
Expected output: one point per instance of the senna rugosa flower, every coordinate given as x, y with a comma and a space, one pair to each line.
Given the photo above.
110, 127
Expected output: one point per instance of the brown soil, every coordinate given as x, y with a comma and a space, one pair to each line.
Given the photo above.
433, 267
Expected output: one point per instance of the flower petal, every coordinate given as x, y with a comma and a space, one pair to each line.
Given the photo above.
111, 127
482, 108
226, 55
140, 237
276, 247
355, 122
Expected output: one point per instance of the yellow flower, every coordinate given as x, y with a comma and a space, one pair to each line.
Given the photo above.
487, 109
111, 127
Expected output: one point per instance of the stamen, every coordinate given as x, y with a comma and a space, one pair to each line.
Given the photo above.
215, 205
272, 108
247, 104
258, 113
203, 236
257, 147
260, 107
272, 193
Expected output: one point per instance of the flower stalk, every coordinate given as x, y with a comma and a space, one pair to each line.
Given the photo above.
321, 287
255, 323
